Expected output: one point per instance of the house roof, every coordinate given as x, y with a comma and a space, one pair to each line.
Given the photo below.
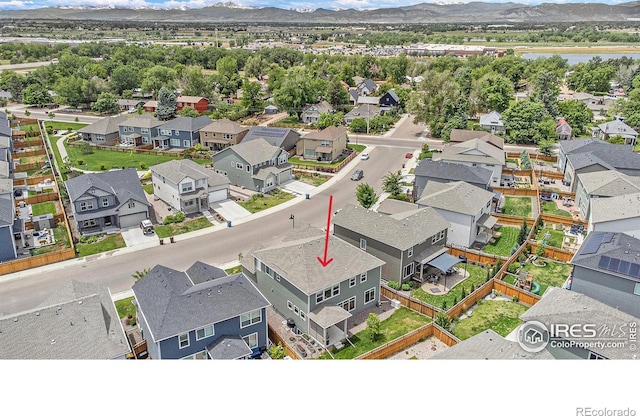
457, 196
474, 150
5, 94
401, 230
125, 102
614, 156
321, 107
297, 261
187, 123
253, 151
491, 119
393, 206
6, 210
363, 111
489, 345
172, 303
609, 183
143, 120
6, 186
189, 99
264, 172
369, 83
560, 306
617, 127
453, 172
5, 131
124, 184
582, 160
331, 133
562, 123
177, 170
105, 126
368, 100
228, 348
77, 322
393, 95
617, 246
277, 136
4, 169
224, 126
459, 135
615, 208
151, 103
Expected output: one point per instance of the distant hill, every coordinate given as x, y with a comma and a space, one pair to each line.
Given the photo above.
475, 12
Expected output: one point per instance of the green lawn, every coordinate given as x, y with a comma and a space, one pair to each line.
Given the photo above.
503, 245
500, 316
477, 276
550, 207
357, 147
125, 307
402, 321
44, 191
297, 161
148, 188
234, 270
164, 231
64, 125
556, 238
108, 243
62, 242
43, 208
315, 180
553, 274
517, 206
111, 159
259, 202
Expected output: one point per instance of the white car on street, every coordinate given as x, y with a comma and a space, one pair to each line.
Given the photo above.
364, 156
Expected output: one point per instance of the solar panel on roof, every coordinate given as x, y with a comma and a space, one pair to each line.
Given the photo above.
624, 267
607, 237
614, 264
592, 245
604, 263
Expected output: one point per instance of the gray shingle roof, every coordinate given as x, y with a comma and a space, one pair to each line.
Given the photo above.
297, 261
392, 206
78, 322
224, 126
190, 124
401, 230
228, 348
453, 172
560, 306
122, 183
143, 121
615, 208
489, 345
617, 156
276, 136
459, 135
493, 118
105, 126
6, 186
330, 133
617, 127
200, 272
609, 183
582, 160
363, 111
321, 107
456, 197
474, 150
177, 170
172, 304
620, 247
6, 210
393, 95
5, 131
254, 151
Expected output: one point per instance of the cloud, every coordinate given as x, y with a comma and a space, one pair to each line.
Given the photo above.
17, 4
354, 4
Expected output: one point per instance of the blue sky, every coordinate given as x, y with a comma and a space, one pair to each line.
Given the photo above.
285, 4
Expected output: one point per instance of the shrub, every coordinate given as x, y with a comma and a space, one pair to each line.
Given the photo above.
142, 166
277, 352
464, 293
515, 298
513, 267
455, 300
443, 321
522, 258
170, 219
394, 285
132, 321
406, 287
103, 167
80, 162
444, 305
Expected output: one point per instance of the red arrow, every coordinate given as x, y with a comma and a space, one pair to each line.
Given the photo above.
324, 261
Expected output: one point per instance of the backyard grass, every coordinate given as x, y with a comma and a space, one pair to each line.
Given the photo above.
62, 241
517, 206
503, 245
556, 238
500, 316
64, 125
552, 274
148, 188
550, 207
297, 161
164, 231
259, 202
315, 180
233, 270
477, 276
108, 243
125, 307
357, 147
400, 323
43, 208
111, 159
44, 191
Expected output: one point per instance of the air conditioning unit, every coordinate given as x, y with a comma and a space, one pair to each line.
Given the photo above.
395, 303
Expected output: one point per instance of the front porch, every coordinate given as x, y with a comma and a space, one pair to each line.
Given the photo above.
161, 142
196, 201
131, 140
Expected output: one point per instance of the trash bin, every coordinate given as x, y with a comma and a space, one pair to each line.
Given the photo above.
228, 224
171, 239
306, 196
161, 241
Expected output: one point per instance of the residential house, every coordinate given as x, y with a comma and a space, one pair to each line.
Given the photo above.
139, 130
200, 313
597, 185
364, 111
476, 153
221, 134
563, 130
460, 136
492, 122
408, 242
617, 128
593, 155
366, 87
78, 322
312, 112
598, 104
317, 300
389, 100
284, 138
187, 186
325, 145
489, 345
364, 99
180, 132
150, 106
466, 207
200, 104
617, 214
130, 105
254, 164
107, 201
428, 170
353, 96
104, 132
606, 267
7, 220
607, 329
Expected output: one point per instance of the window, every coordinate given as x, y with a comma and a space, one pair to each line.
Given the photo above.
250, 318
296, 310
165, 132
227, 136
186, 143
183, 341
408, 269
352, 282
100, 138
636, 289
363, 277
410, 252
251, 340
132, 204
239, 165
105, 202
289, 305
438, 237
187, 187
328, 293
202, 355
303, 315
363, 244
88, 223
86, 205
175, 142
176, 133
144, 131
205, 332
189, 203
248, 168
370, 295
349, 304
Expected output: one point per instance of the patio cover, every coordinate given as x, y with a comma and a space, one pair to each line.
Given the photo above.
425, 256
228, 348
487, 221
328, 315
324, 149
444, 262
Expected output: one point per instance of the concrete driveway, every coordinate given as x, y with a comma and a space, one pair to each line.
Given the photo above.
135, 237
229, 210
297, 187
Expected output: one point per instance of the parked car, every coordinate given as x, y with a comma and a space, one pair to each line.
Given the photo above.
364, 156
357, 175
408, 156
146, 226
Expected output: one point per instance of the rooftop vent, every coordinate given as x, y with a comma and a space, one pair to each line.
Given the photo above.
38, 313
53, 341
15, 319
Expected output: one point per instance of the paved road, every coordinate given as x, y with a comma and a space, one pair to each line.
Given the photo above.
43, 114
18, 67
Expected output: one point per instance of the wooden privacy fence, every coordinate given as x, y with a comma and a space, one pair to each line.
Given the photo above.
33, 180
474, 256
36, 199
277, 339
28, 166
56, 218
558, 219
551, 175
513, 221
140, 150
471, 299
516, 191
398, 344
524, 296
560, 193
553, 252
29, 153
445, 336
534, 156
411, 303
36, 261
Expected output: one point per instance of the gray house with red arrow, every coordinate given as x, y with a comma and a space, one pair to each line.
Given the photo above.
313, 298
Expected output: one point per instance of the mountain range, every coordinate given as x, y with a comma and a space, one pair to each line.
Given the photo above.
474, 12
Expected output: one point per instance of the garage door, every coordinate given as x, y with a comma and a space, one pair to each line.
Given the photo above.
132, 220
216, 196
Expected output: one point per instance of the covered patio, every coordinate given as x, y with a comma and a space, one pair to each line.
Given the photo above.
486, 233
196, 201
161, 142
328, 324
323, 153
432, 263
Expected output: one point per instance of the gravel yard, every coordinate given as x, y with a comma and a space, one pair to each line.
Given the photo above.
422, 350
